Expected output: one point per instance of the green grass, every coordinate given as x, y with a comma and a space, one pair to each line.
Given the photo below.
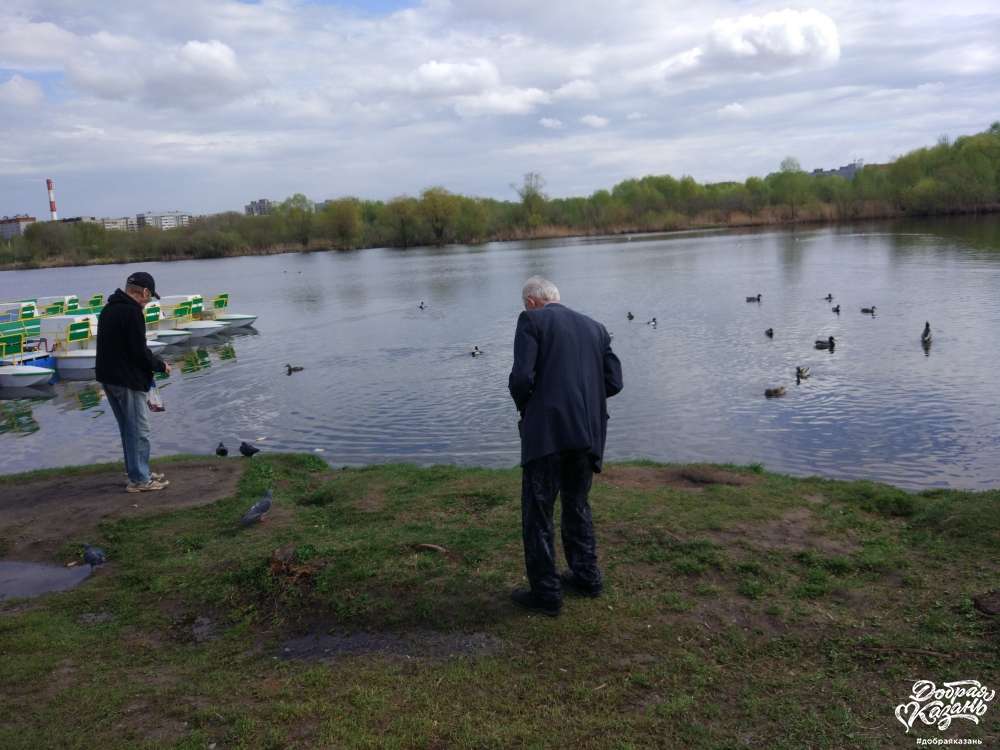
714, 631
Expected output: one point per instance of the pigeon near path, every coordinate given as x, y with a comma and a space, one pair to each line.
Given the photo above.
258, 510
94, 556
248, 450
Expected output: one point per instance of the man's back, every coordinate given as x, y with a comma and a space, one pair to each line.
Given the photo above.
122, 356
564, 371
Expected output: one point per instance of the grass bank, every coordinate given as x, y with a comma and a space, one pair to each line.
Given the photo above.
743, 610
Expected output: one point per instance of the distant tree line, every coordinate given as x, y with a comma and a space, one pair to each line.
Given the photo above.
950, 177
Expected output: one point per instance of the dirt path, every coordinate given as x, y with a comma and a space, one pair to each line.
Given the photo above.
37, 517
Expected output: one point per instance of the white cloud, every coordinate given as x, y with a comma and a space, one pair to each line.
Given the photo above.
116, 43
777, 38
451, 78
971, 59
196, 73
507, 100
27, 45
18, 91
776, 42
577, 89
733, 111
595, 121
279, 96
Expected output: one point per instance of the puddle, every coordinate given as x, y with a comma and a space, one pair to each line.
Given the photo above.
318, 646
27, 579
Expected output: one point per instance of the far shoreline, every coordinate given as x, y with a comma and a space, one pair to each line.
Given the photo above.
542, 233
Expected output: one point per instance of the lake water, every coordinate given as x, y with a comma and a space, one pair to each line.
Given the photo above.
386, 381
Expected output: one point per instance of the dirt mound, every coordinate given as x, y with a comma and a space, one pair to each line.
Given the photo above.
38, 516
692, 477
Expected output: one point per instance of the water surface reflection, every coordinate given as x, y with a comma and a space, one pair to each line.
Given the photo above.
384, 380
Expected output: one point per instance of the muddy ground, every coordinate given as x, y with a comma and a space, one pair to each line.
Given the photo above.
39, 516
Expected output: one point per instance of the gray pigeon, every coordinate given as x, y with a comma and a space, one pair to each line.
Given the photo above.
258, 510
94, 555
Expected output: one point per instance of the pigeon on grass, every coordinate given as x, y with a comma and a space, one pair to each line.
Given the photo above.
94, 556
248, 450
258, 510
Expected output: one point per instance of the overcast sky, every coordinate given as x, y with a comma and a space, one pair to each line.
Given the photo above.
203, 105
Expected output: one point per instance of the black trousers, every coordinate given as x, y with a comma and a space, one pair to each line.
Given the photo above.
570, 475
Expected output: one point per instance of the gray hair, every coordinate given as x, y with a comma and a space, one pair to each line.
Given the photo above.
538, 288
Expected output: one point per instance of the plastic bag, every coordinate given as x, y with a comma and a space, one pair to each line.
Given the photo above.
153, 398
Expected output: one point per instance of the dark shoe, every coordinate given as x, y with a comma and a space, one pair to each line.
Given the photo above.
526, 598
574, 584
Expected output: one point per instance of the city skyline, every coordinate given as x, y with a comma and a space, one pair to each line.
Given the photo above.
199, 107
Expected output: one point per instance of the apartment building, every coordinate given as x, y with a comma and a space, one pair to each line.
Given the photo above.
166, 220
259, 207
14, 226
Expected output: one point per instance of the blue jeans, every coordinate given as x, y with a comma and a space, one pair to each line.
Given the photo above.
132, 413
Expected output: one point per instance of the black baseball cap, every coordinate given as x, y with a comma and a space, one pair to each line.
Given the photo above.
143, 279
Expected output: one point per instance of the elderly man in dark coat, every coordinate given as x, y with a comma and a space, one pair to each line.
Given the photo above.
564, 371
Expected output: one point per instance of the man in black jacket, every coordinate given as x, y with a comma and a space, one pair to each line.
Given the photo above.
125, 368
564, 372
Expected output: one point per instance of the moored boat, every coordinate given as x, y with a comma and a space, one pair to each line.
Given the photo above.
184, 311
13, 372
24, 376
218, 308
67, 338
236, 320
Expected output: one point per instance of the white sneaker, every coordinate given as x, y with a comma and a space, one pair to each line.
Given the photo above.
151, 486
152, 475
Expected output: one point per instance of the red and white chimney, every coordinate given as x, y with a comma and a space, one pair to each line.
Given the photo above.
52, 199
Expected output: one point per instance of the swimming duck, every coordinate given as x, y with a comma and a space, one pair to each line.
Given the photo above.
769, 333
630, 316
475, 351
774, 392
651, 322
829, 298
754, 299
925, 337
292, 368
801, 373
868, 310
826, 343
836, 309
422, 306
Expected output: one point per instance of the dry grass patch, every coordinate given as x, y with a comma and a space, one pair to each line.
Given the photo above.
796, 531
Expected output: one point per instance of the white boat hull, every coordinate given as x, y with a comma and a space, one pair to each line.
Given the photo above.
169, 336
76, 359
200, 329
23, 376
236, 320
